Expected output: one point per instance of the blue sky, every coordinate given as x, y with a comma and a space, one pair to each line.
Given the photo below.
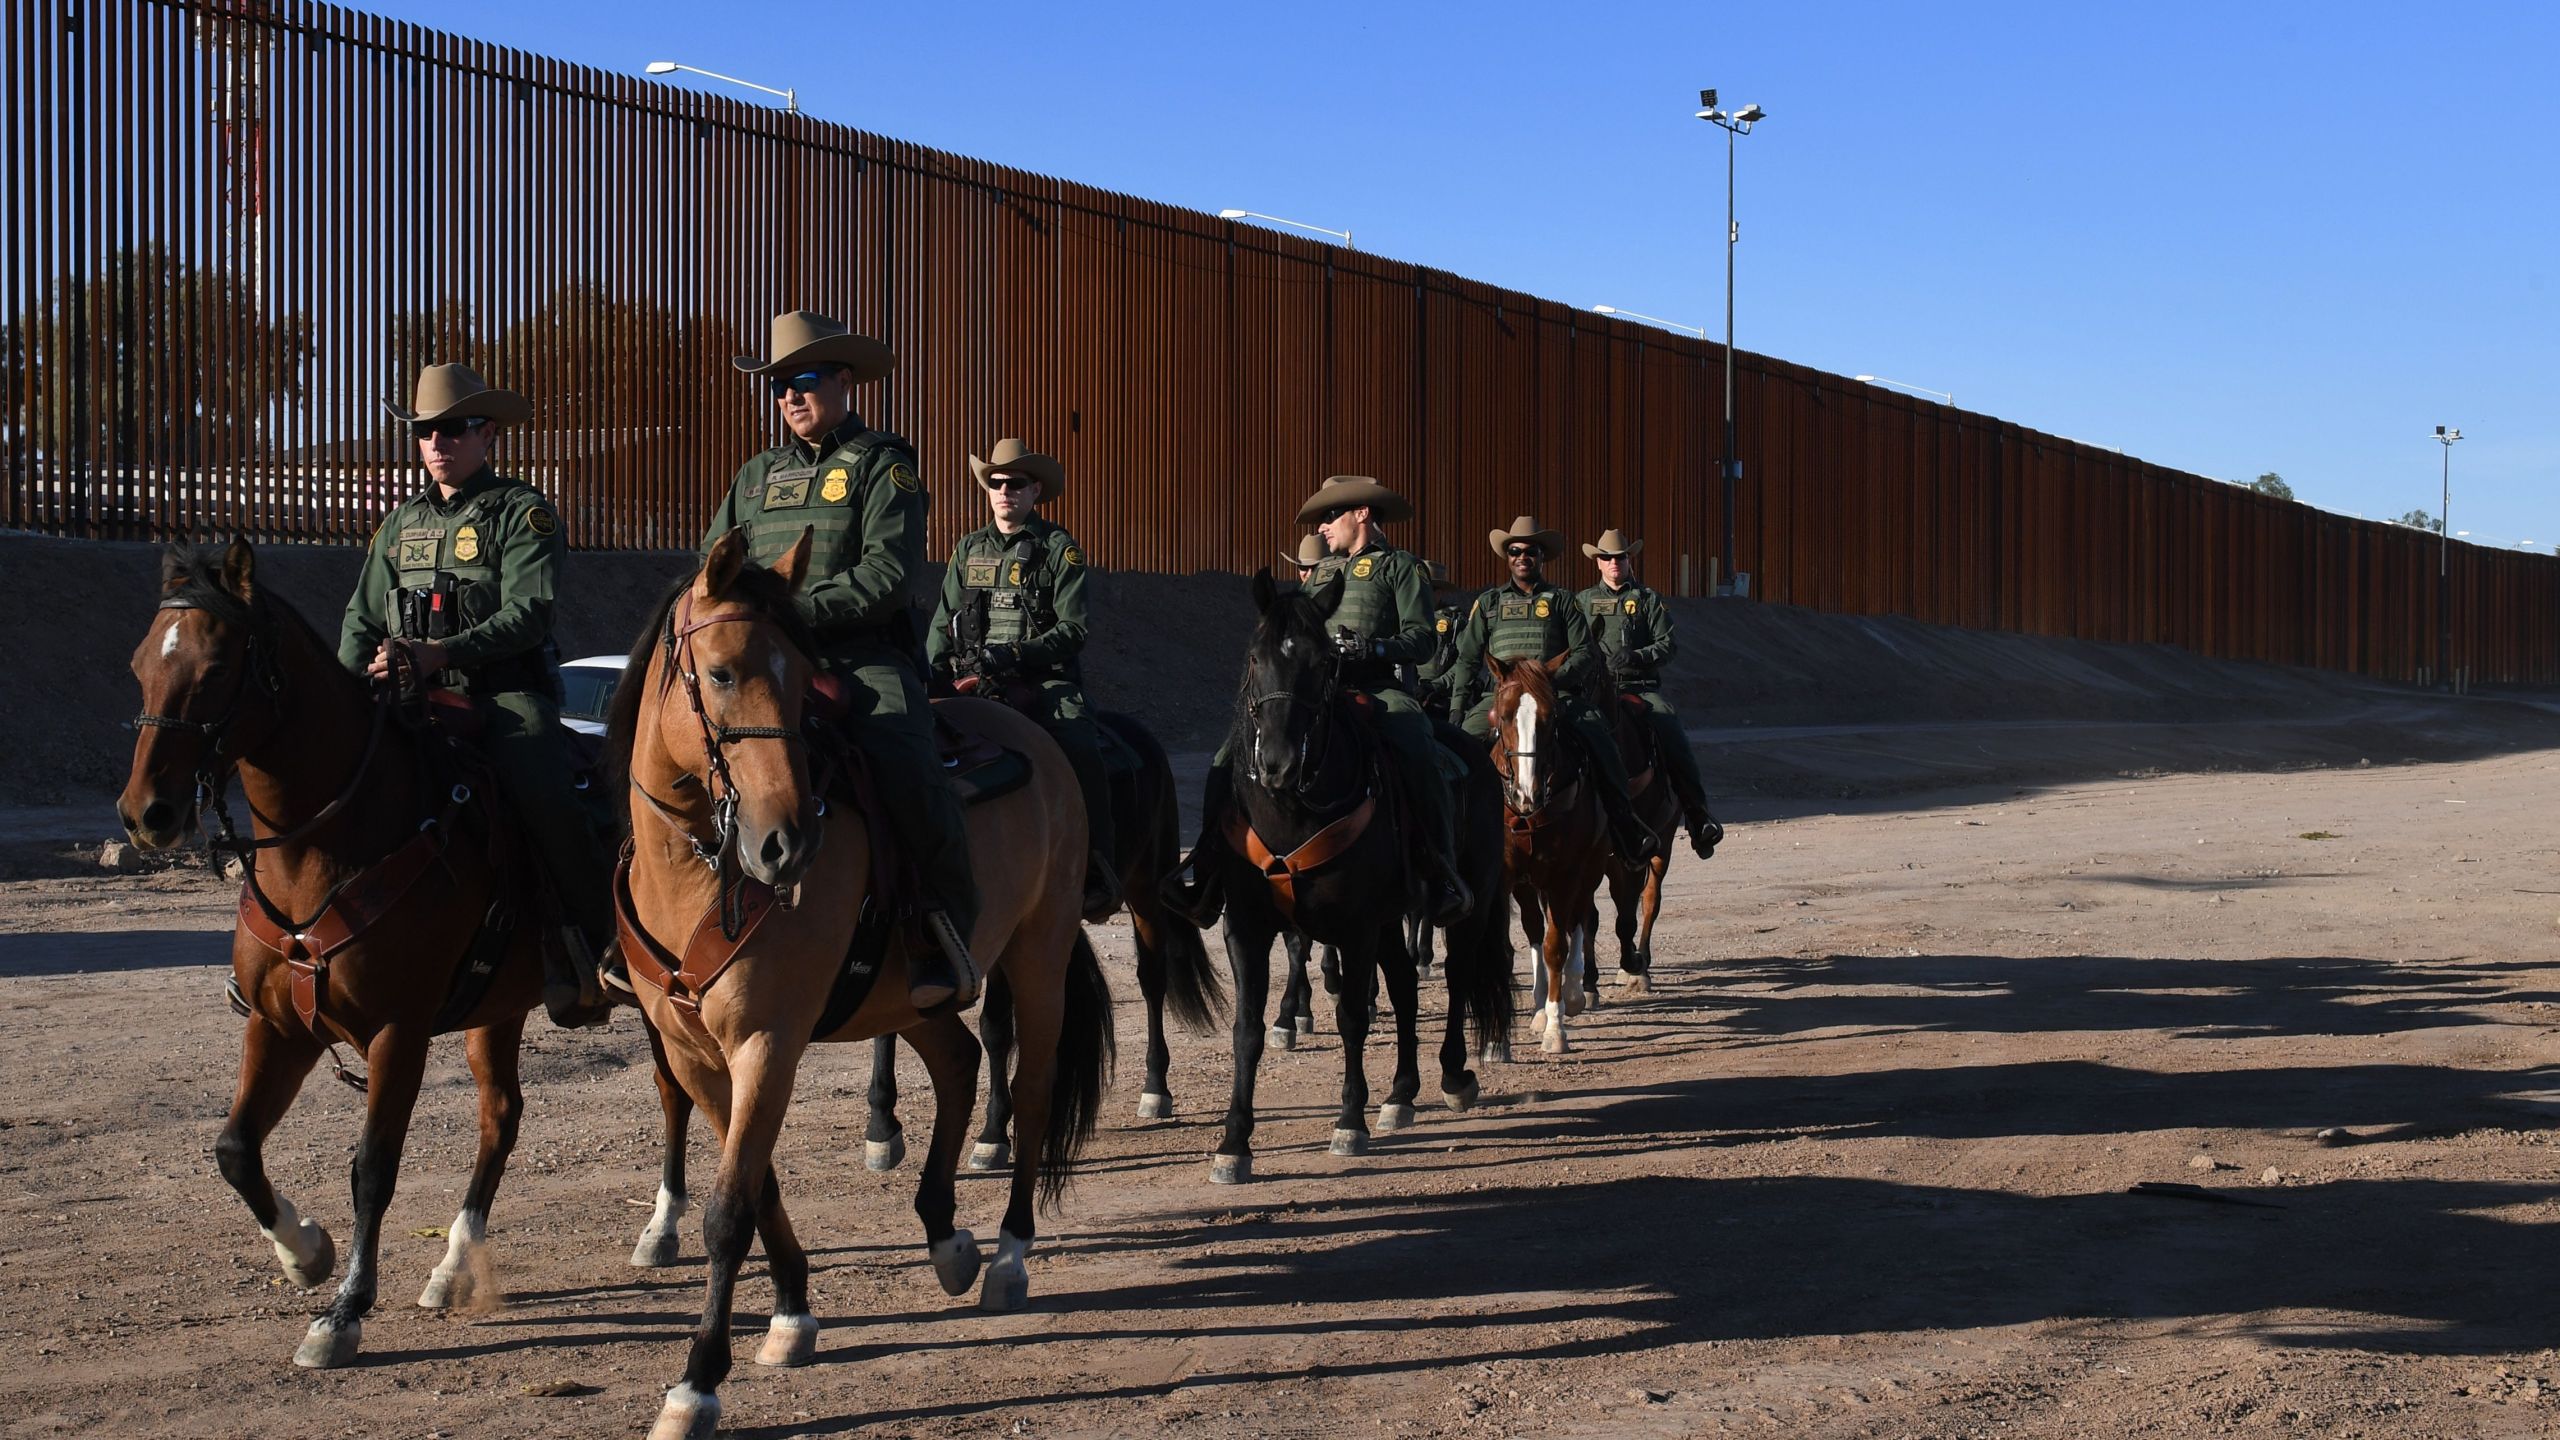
2226, 238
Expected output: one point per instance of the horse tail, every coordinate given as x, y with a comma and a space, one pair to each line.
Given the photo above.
1483, 977
1086, 1050
1179, 954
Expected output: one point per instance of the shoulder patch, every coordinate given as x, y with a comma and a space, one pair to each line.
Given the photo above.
1073, 556
540, 520
903, 476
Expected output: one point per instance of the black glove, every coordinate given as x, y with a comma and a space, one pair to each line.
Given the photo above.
1351, 646
1621, 665
1000, 659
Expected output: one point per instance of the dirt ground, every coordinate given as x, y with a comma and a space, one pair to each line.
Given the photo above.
1861, 1168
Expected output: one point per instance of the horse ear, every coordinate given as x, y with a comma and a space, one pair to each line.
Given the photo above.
1264, 590
176, 563
1555, 662
720, 567
239, 569
793, 567
1500, 667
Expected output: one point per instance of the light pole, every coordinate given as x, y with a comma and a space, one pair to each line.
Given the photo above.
1941, 396
1738, 122
1650, 320
790, 97
2444, 563
1293, 224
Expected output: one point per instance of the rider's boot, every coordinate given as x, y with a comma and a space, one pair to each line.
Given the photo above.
571, 991
1635, 841
1704, 833
1446, 898
1101, 888
941, 973
1196, 891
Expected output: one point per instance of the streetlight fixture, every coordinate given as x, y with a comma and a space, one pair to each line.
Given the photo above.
1294, 224
2444, 562
1650, 320
1733, 123
1940, 395
790, 97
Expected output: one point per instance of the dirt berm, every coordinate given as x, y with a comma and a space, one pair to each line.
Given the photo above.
1787, 701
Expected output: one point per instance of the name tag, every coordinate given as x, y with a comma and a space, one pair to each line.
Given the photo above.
979, 574
788, 489
418, 547
1005, 600
1603, 607
1515, 607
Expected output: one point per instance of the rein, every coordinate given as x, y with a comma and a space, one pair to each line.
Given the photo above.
1559, 798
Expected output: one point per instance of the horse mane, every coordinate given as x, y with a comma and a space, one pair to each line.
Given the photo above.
772, 598
192, 574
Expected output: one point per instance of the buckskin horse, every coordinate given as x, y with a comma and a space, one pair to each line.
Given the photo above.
1635, 891
1317, 842
1173, 960
371, 912
1555, 835
739, 925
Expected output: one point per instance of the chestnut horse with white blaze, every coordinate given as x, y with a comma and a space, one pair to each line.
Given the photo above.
1555, 833
740, 900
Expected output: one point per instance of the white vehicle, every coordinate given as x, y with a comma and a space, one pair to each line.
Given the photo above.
586, 691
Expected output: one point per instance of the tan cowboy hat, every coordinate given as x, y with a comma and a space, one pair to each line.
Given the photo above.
1526, 528
801, 339
1355, 490
1311, 553
456, 392
1012, 457
1613, 543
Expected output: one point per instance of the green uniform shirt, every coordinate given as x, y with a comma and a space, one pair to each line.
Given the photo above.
1025, 589
1386, 600
1512, 624
1633, 627
1436, 673
857, 491
497, 545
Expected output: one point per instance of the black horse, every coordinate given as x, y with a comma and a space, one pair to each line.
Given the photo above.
1173, 966
1318, 844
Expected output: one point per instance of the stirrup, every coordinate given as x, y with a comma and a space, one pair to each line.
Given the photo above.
1101, 888
1198, 899
965, 984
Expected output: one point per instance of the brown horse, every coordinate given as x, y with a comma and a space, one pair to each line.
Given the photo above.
1556, 836
738, 923
1635, 891
371, 869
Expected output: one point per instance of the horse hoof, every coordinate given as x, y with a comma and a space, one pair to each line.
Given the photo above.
955, 1262
1575, 1002
1285, 1036
1639, 985
1230, 1169
990, 1155
1392, 1116
1306, 1026
1155, 1106
658, 1248
882, 1155
789, 1340
1009, 1278
1554, 1043
1496, 1053
1538, 1021
304, 1249
327, 1346
1464, 1097
1349, 1142
447, 1289
689, 1414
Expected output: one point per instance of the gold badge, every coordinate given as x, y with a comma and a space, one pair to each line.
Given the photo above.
1360, 570
541, 521
466, 545
903, 478
1630, 605
838, 483
1072, 557
1444, 624
1014, 575
1542, 608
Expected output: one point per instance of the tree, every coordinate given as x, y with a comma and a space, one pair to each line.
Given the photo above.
2272, 483
2421, 520
152, 362
585, 360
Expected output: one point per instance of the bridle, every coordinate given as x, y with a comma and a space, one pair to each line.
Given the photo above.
1545, 803
677, 663
1312, 745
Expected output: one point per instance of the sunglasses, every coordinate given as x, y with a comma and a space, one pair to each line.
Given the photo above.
1336, 513
1011, 482
432, 429
800, 384
1519, 550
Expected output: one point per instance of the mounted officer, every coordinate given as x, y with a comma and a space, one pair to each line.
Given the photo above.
1311, 553
857, 491
1434, 679
461, 581
1383, 620
1634, 628
1013, 610
1526, 618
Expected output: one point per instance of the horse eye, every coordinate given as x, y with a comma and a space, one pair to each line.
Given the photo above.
723, 677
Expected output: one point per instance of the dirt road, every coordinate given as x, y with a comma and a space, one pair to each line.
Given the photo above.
1861, 1168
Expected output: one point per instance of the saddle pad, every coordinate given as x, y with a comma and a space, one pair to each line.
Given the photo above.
978, 768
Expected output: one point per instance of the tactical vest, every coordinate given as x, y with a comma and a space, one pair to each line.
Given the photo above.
446, 580
1012, 593
819, 498
1525, 626
1618, 624
1367, 608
